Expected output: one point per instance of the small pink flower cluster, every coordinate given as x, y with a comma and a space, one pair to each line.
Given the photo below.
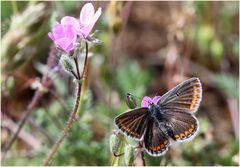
64, 34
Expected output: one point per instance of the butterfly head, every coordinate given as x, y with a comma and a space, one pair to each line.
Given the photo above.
150, 103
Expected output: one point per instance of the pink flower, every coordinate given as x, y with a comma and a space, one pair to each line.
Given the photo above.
86, 21
88, 18
64, 36
147, 99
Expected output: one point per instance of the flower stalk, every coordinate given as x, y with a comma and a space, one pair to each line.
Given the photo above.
75, 109
65, 130
66, 36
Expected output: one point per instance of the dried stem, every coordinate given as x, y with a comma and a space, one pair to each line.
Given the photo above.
30, 108
38, 94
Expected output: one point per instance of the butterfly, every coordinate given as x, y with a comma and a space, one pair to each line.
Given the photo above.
171, 118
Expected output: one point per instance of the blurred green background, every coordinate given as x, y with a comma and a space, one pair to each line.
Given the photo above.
148, 47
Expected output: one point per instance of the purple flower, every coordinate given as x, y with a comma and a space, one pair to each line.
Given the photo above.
88, 18
64, 36
147, 99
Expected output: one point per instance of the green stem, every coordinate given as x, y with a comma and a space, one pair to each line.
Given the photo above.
14, 7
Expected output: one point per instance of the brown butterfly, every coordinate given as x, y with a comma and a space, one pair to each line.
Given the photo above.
172, 117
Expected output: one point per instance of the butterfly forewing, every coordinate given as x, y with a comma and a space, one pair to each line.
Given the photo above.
133, 122
182, 125
184, 97
156, 142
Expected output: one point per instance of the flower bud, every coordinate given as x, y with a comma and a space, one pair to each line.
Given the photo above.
114, 143
66, 63
128, 155
131, 101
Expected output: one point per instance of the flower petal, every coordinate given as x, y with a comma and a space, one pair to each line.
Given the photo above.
87, 14
70, 21
84, 31
145, 101
64, 44
50, 34
70, 47
156, 99
97, 15
69, 32
58, 31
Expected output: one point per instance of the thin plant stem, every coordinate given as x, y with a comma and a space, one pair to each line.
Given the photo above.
72, 116
73, 73
14, 7
65, 130
76, 63
85, 62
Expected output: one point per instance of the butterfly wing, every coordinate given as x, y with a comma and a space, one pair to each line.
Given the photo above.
156, 142
133, 123
181, 126
184, 97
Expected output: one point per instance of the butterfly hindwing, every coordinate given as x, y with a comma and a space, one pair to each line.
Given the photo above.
184, 97
133, 122
182, 126
156, 142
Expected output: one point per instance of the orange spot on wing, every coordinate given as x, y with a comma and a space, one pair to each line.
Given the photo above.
190, 130
195, 97
182, 135
176, 136
129, 131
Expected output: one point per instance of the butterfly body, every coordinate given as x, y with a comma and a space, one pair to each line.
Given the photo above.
170, 118
156, 112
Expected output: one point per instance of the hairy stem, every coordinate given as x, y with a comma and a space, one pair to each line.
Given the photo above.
64, 132
75, 109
